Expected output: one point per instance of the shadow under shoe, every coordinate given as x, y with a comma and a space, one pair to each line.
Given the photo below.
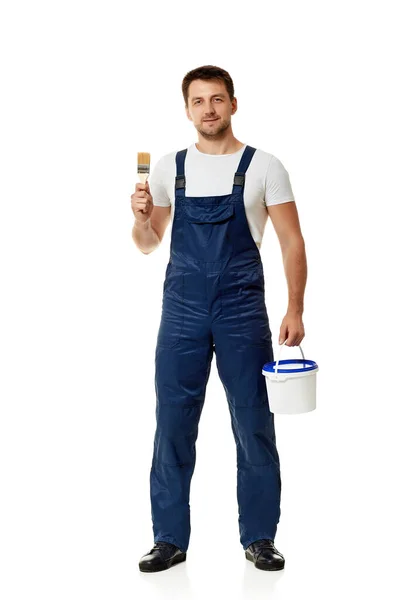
265, 556
162, 556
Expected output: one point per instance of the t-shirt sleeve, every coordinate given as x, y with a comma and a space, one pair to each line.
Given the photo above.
277, 185
157, 183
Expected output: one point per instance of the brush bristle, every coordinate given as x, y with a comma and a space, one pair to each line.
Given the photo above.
143, 158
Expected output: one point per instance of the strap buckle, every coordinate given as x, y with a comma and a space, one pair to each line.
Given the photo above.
239, 179
180, 182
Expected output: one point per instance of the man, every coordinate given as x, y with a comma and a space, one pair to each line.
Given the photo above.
218, 193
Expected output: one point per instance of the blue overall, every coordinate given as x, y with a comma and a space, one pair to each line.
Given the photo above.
213, 301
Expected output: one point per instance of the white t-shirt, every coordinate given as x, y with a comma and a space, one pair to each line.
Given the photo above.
267, 182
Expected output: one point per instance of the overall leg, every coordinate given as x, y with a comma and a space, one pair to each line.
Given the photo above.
181, 376
258, 468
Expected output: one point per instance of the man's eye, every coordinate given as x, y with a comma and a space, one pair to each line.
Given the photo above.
197, 101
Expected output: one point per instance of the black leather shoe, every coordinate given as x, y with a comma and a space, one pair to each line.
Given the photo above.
265, 556
162, 556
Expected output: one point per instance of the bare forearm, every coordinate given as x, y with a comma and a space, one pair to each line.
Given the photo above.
145, 237
295, 265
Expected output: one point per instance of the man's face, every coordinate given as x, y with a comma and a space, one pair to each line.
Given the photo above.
210, 108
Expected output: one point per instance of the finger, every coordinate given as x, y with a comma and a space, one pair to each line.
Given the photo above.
143, 195
143, 203
282, 334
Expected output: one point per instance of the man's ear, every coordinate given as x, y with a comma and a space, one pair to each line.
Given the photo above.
234, 105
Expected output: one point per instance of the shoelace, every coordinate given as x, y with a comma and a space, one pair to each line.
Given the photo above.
260, 545
263, 544
164, 547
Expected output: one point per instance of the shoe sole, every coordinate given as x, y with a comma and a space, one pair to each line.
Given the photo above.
264, 566
169, 563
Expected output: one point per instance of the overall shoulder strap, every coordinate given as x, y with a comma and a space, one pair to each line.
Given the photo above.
180, 181
240, 175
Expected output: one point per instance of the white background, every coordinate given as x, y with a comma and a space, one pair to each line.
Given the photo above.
85, 87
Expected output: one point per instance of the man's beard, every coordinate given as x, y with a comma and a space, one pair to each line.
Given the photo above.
214, 134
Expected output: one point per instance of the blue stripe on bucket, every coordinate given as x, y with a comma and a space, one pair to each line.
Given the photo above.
270, 367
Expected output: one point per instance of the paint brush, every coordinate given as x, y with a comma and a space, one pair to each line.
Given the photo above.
143, 167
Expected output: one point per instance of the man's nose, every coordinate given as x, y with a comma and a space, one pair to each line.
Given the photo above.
209, 109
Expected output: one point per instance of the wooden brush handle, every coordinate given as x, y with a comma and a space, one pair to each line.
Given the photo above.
143, 177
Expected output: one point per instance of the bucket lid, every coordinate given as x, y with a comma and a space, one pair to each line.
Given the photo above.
309, 365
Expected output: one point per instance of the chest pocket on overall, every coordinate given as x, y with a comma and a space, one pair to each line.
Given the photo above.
208, 225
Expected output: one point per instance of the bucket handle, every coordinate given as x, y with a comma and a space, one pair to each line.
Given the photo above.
279, 356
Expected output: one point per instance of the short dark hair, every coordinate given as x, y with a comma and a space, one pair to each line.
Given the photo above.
207, 72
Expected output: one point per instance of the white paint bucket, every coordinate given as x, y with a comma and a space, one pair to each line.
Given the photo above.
291, 384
